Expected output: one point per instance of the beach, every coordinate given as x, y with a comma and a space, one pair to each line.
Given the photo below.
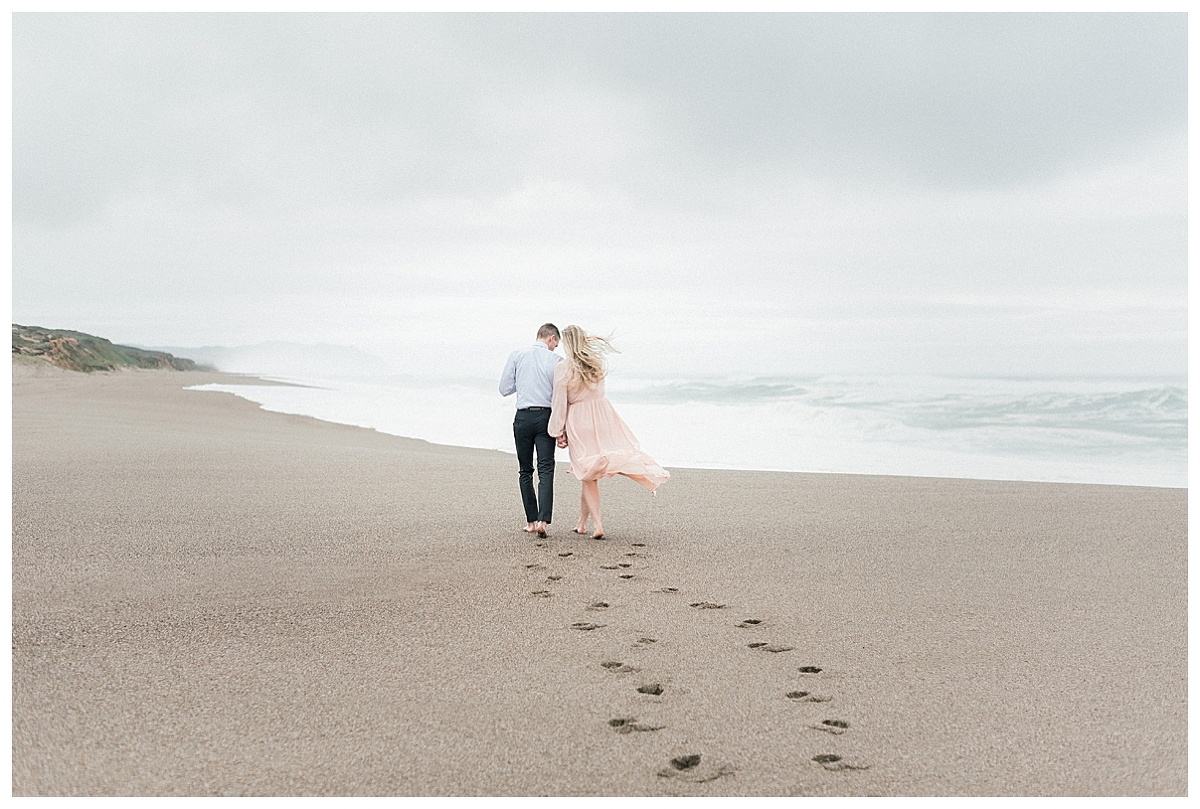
211, 599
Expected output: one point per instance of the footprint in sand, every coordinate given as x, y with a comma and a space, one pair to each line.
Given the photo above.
553, 578
750, 623
686, 762
835, 726
707, 605
644, 641
835, 763
807, 696
770, 647
624, 564
693, 768
542, 593
598, 605
638, 544
609, 567
566, 553
629, 724
535, 566
667, 590
625, 576
635, 554
587, 627
618, 667
810, 669
654, 689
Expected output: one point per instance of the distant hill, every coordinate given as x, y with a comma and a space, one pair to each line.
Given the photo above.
285, 359
76, 351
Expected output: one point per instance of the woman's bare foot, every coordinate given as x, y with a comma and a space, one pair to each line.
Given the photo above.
589, 506
531, 528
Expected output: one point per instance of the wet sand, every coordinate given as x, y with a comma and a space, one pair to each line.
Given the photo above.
213, 599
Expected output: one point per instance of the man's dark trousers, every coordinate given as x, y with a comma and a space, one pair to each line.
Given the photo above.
529, 430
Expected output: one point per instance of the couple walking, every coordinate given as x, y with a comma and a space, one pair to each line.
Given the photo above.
561, 403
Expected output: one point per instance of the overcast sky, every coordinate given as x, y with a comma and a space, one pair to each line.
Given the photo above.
779, 194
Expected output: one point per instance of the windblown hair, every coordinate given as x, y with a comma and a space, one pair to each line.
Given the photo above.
585, 357
548, 330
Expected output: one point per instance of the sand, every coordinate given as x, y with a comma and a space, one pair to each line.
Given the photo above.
212, 599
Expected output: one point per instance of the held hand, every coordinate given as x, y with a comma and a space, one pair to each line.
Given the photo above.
562, 441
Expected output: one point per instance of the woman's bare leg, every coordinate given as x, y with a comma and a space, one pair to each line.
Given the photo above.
591, 501
581, 526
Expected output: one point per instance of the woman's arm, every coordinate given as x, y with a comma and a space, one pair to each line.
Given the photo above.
558, 402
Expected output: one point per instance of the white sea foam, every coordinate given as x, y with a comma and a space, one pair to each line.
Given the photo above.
1120, 431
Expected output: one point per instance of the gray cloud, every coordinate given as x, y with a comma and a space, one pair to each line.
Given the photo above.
829, 179
383, 107
958, 98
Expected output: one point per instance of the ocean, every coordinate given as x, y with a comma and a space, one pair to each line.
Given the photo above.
1121, 430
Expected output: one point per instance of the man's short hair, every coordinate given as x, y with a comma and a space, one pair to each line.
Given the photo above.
549, 330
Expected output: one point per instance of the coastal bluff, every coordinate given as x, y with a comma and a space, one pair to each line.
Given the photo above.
77, 351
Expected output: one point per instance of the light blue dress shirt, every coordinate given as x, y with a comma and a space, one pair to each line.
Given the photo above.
529, 373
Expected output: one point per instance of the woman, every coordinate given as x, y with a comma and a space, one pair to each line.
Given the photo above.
599, 443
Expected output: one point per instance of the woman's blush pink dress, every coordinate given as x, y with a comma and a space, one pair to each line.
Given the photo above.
599, 443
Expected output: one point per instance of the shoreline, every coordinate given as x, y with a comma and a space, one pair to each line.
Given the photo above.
711, 467
211, 598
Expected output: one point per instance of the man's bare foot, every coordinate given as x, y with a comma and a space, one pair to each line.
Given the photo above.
541, 529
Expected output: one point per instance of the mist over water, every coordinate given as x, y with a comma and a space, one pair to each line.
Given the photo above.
1129, 431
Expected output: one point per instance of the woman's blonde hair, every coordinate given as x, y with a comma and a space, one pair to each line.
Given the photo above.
585, 357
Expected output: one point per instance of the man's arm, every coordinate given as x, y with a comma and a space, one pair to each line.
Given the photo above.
508, 379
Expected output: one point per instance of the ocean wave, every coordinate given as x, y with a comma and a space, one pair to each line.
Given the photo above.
1157, 412
1121, 431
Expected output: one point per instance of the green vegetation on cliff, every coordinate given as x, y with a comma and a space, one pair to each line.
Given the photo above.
77, 351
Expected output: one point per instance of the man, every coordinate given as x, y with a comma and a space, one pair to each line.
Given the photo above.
529, 373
